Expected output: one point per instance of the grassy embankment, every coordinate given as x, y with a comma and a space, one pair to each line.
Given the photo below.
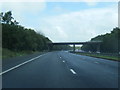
109, 57
9, 54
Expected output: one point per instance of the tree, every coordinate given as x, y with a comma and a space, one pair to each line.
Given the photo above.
110, 42
8, 17
1, 17
18, 38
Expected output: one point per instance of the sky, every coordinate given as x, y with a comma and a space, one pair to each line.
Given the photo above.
65, 21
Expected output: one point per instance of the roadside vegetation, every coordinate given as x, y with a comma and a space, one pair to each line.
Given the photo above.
6, 53
110, 42
103, 56
18, 40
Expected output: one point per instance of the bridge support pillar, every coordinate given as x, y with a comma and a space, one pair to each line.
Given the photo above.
73, 47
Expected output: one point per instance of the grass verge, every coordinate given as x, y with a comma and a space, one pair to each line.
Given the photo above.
9, 54
108, 57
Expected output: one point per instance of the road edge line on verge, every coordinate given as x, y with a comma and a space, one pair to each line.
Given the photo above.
20, 65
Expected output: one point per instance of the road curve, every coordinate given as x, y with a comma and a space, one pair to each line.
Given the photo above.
61, 69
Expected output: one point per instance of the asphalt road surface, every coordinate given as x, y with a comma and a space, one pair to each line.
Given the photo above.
61, 69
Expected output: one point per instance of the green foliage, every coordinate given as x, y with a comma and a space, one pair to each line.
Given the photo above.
7, 18
18, 38
110, 57
6, 53
110, 42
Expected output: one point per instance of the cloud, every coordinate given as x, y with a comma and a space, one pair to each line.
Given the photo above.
22, 0
80, 25
73, 26
61, 32
81, 0
58, 9
23, 11
91, 2
95, 2
59, 0
21, 7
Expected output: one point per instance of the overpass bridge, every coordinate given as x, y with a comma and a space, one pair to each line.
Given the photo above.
51, 44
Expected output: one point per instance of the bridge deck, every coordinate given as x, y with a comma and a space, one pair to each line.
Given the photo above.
76, 43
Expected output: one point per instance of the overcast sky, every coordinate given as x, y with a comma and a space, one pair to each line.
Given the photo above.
65, 21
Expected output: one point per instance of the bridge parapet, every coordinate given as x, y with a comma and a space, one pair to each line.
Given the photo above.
76, 43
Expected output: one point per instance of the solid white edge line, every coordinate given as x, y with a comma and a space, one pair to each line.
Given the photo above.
73, 71
20, 64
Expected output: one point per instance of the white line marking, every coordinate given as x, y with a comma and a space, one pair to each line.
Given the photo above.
20, 65
73, 71
64, 61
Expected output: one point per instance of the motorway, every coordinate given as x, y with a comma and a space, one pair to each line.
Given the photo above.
60, 69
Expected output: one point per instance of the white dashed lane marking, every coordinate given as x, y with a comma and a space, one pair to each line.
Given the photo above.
63, 61
73, 71
96, 62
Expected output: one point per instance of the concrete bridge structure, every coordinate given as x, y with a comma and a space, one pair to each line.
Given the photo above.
75, 43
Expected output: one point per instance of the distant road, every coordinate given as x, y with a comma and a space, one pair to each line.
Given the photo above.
61, 69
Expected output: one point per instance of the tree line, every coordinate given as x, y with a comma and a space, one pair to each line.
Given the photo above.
18, 38
110, 42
